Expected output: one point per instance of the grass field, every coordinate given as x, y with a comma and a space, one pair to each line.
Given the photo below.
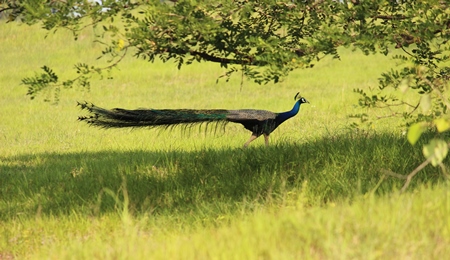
70, 191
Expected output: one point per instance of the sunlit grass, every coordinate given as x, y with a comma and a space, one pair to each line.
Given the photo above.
318, 191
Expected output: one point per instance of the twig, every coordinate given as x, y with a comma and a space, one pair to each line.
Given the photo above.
444, 171
6, 9
405, 51
393, 174
408, 177
395, 114
413, 173
388, 116
125, 49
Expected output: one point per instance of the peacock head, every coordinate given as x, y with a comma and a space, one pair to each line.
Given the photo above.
300, 98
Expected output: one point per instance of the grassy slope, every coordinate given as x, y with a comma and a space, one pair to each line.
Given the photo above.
71, 191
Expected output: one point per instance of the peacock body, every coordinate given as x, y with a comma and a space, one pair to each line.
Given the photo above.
259, 122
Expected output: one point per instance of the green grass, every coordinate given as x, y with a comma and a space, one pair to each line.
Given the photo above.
318, 191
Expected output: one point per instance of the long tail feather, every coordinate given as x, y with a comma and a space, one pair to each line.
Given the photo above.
119, 117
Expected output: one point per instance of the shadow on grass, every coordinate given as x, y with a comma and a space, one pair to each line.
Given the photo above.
168, 182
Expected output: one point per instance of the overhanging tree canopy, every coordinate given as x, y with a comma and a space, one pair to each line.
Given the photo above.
263, 39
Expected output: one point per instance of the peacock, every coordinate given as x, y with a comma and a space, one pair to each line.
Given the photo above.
259, 122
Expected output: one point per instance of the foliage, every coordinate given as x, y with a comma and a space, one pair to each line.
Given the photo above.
421, 31
264, 40
417, 89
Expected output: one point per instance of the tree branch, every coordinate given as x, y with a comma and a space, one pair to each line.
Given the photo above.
6, 9
248, 60
209, 57
408, 177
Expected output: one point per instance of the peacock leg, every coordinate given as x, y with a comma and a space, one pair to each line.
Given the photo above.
253, 137
266, 138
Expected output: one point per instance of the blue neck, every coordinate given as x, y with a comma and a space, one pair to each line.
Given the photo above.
286, 115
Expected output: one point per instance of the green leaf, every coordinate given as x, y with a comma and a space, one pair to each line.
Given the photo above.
442, 124
436, 151
415, 131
